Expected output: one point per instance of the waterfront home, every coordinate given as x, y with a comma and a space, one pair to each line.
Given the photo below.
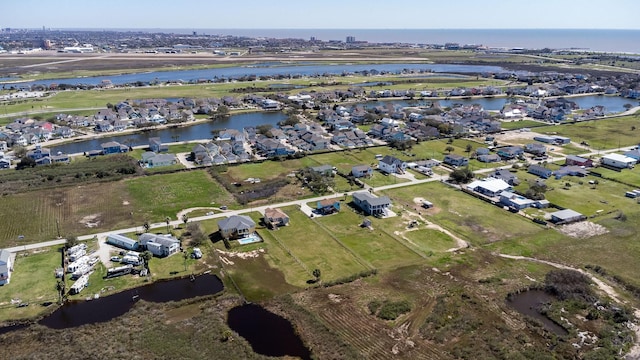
153, 160
159, 245
156, 145
113, 147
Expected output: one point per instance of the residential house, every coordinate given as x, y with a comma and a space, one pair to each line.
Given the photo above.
359, 171
489, 187
271, 147
153, 160
371, 204
455, 160
275, 217
113, 147
489, 158
323, 170
571, 170
515, 201
578, 161
38, 153
506, 175
5, 267
392, 165
510, 152
156, 145
236, 227
541, 171
159, 245
535, 149
328, 206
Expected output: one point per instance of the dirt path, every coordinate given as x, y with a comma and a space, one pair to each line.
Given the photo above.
634, 353
186, 211
460, 244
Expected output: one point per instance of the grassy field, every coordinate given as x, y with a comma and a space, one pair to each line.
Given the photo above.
376, 246
472, 219
159, 196
600, 134
320, 252
32, 282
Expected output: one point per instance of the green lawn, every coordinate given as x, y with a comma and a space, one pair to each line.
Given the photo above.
375, 246
470, 218
318, 252
158, 196
32, 281
600, 134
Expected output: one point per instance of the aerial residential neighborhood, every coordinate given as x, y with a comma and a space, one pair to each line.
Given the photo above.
364, 197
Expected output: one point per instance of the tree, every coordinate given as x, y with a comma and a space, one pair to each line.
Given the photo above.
462, 175
146, 256
536, 191
19, 151
449, 149
168, 221
61, 286
185, 219
25, 162
316, 273
468, 148
220, 112
627, 106
71, 242
146, 226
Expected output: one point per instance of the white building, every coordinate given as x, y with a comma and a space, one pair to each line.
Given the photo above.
489, 186
159, 245
5, 267
618, 161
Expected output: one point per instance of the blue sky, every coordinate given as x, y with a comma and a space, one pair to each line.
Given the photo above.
321, 14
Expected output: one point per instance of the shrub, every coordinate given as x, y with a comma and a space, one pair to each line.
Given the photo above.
391, 310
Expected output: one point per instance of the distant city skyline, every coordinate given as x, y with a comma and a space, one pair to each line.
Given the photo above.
327, 14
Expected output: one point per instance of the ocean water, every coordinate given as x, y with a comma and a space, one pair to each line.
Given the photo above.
587, 39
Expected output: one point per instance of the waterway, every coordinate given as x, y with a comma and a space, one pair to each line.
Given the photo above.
269, 334
529, 303
266, 69
77, 313
200, 131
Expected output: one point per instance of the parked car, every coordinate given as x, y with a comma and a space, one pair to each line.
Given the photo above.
115, 258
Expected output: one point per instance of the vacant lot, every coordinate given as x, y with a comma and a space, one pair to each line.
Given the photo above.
160, 196
600, 134
32, 282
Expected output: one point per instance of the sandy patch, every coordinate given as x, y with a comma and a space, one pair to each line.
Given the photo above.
241, 255
91, 221
335, 298
125, 202
583, 230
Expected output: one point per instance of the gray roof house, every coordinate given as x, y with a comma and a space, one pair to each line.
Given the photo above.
236, 226
5, 266
159, 245
371, 204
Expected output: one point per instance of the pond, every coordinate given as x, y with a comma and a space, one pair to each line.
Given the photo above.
200, 131
268, 333
529, 303
106, 308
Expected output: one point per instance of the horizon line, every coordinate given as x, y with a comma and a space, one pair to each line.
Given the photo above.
267, 28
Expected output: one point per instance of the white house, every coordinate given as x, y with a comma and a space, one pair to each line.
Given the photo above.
392, 165
5, 267
159, 245
489, 186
